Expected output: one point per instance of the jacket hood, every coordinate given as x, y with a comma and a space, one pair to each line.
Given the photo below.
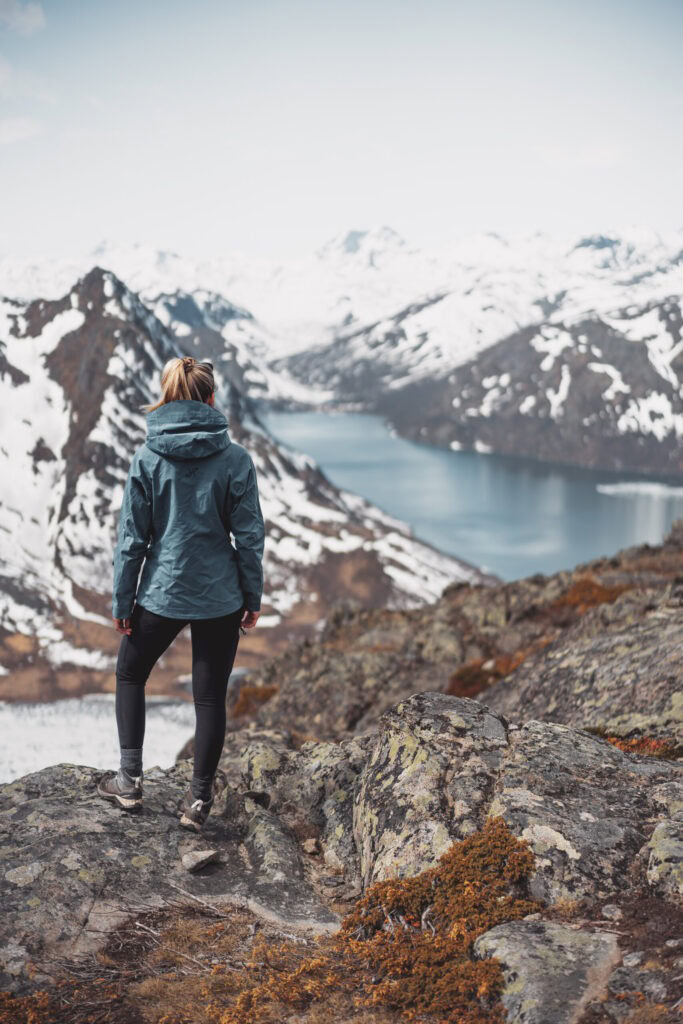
187, 429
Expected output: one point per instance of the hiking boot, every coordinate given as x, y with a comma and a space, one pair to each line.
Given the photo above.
194, 812
122, 789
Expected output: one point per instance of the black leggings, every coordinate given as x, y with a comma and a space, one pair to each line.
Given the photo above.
214, 646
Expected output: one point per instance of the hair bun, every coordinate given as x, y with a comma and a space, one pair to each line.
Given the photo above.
188, 362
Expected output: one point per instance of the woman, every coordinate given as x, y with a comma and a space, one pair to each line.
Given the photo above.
189, 487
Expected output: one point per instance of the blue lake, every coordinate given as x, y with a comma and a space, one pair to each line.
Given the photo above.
511, 516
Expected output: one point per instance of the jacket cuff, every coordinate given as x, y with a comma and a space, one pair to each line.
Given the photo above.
252, 602
118, 613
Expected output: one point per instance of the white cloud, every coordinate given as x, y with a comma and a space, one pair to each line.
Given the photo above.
22, 16
16, 129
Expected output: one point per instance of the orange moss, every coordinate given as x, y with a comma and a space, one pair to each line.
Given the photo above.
407, 945
33, 1009
251, 698
477, 675
651, 746
586, 592
470, 679
66, 1004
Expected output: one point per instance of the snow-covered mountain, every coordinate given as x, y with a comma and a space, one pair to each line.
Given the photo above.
480, 292
74, 372
595, 391
367, 319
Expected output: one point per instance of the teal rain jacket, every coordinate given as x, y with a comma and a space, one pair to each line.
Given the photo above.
188, 488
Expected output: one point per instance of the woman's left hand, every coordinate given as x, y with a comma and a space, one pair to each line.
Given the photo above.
123, 626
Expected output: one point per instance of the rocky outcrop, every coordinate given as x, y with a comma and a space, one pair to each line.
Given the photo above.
297, 828
551, 970
596, 647
429, 781
73, 867
586, 808
441, 765
618, 669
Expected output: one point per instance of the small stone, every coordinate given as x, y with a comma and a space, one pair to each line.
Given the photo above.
198, 859
632, 959
72, 861
332, 881
311, 846
612, 912
673, 943
655, 988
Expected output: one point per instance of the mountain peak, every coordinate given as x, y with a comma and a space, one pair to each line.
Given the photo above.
366, 244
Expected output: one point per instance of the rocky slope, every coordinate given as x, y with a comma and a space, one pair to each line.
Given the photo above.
596, 391
603, 825
74, 372
598, 646
348, 768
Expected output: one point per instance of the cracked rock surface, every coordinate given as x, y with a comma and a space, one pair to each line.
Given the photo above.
387, 802
73, 867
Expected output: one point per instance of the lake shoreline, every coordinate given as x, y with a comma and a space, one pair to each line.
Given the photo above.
551, 515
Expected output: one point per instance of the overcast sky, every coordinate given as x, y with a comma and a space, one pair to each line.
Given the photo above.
267, 126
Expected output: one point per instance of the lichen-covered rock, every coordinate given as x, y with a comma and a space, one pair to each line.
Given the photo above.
586, 808
618, 668
665, 864
312, 789
442, 765
383, 804
73, 867
551, 970
429, 781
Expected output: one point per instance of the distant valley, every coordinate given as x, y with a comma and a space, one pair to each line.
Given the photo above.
568, 350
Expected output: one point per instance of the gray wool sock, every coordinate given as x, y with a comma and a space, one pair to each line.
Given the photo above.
201, 789
131, 761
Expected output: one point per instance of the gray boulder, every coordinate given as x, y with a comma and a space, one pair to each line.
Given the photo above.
442, 765
586, 808
551, 971
665, 863
429, 781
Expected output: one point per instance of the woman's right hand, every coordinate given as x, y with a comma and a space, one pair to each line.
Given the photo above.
249, 619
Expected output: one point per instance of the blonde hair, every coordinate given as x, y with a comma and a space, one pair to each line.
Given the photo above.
184, 377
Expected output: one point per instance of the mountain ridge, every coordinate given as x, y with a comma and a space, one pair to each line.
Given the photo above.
75, 373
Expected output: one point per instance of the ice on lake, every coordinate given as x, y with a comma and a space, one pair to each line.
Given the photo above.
83, 731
